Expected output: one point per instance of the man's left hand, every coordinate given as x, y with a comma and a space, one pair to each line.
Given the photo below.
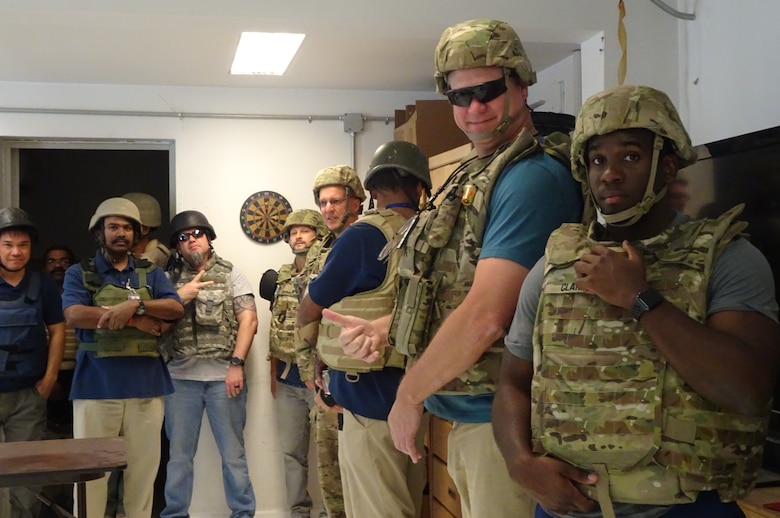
404, 422
234, 381
614, 277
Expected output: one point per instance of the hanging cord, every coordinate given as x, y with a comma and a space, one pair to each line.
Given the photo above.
622, 39
674, 12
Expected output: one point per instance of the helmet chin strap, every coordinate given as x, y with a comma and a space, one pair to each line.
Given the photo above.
506, 119
631, 215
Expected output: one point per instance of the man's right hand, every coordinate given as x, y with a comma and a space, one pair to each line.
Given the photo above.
359, 338
550, 482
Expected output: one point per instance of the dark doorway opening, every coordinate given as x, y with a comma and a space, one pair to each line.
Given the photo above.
60, 189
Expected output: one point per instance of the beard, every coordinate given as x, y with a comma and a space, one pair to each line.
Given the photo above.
195, 259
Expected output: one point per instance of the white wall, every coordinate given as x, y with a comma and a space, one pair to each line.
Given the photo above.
729, 68
218, 164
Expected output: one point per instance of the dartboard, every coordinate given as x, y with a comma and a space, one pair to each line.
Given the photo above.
263, 215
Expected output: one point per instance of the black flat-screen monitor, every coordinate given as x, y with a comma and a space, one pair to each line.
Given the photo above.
744, 169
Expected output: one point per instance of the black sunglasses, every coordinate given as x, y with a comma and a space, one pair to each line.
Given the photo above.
483, 93
185, 236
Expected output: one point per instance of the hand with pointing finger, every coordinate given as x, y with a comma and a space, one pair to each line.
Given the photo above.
359, 337
189, 291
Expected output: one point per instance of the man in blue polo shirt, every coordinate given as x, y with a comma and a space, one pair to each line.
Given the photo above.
377, 478
119, 306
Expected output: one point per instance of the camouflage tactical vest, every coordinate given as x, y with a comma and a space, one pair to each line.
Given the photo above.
605, 399
440, 257
128, 341
209, 326
315, 260
281, 342
369, 305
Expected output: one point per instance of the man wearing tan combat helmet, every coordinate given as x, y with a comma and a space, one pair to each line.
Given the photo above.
643, 354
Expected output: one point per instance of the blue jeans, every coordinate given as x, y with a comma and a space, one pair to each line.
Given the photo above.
227, 417
293, 405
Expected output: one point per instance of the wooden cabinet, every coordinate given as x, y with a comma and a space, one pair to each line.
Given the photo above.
443, 164
753, 504
444, 501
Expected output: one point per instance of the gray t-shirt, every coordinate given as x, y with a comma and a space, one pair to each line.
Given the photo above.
741, 281
209, 369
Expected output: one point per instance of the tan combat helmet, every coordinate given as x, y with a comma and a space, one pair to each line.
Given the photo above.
117, 207
482, 43
148, 207
346, 177
342, 175
307, 217
629, 107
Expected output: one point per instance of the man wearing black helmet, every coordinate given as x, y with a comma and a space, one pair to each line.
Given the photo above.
463, 263
358, 280
119, 306
30, 307
208, 348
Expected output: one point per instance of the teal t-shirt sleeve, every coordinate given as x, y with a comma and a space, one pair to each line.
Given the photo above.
530, 200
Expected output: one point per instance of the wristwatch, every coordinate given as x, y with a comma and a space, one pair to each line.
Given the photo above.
646, 301
141, 308
237, 361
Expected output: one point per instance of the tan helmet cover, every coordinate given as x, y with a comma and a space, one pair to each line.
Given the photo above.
338, 175
481, 43
308, 217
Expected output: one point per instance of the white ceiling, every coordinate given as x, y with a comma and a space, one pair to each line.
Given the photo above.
349, 44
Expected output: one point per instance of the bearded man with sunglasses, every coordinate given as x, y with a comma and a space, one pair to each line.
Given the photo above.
207, 350
463, 263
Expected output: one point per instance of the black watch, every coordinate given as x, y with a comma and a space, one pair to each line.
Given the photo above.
646, 301
141, 308
237, 361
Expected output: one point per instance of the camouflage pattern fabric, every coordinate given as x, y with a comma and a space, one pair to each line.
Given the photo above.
628, 107
326, 440
156, 253
368, 304
338, 175
604, 397
481, 43
284, 311
209, 326
439, 260
304, 348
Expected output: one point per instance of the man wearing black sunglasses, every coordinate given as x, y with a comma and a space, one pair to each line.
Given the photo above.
208, 347
464, 262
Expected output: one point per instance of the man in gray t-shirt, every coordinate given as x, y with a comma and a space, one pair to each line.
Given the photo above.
635, 340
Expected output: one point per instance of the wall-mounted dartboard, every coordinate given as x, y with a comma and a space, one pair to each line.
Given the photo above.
263, 215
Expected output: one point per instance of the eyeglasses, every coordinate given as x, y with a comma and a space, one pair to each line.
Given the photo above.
483, 93
64, 260
185, 236
334, 202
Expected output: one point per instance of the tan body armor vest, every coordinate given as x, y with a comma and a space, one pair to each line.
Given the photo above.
209, 326
127, 341
369, 305
440, 257
284, 312
605, 399
315, 259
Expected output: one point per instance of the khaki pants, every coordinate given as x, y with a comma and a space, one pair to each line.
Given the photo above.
139, 421
479, 472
